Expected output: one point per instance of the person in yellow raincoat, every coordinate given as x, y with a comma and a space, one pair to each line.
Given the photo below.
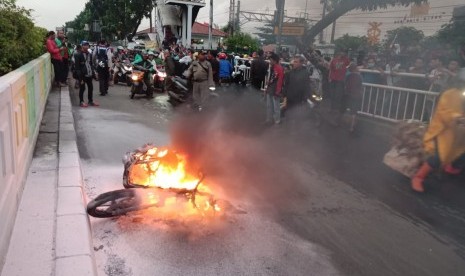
444, 141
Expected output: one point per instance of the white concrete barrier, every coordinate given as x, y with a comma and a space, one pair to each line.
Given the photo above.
23, 95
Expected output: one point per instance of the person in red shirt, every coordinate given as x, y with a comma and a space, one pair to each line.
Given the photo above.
337, 75
56, 58
274, 90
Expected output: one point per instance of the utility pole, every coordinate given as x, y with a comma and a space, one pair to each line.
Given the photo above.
280, 13
210, 26
236, 23
232, 8
325, 6
151, 26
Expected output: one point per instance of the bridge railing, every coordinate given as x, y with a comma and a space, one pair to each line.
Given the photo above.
23, 96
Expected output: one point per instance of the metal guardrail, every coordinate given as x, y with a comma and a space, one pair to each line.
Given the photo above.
384, 102
396, 74
396, 103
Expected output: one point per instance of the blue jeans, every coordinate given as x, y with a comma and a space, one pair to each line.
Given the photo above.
273, 108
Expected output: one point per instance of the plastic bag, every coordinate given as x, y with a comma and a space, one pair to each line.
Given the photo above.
398, 160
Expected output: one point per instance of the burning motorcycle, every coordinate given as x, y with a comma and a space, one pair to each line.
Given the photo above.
163, 175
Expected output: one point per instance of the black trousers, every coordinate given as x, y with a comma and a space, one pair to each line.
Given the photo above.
90, 89
58, 69
257, 83
65, 70
103, 79
337, 96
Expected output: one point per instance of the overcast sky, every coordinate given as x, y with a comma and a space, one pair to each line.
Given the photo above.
50, 14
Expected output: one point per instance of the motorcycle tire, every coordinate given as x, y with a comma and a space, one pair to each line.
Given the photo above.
113, 204
128, 83
116, 80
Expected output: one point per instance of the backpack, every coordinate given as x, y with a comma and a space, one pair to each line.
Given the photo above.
102, 56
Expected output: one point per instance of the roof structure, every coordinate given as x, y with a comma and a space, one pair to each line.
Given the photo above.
202, 29
197, 29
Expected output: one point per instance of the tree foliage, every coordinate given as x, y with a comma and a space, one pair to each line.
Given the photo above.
341, 7
20, 40
242, 42
267, 36
453, 33
119, 18
404, 36
354, 43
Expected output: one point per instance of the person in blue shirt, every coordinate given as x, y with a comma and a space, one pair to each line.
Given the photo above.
226, 69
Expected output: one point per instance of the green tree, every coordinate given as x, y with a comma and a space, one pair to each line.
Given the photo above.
20, 40
229, 28
453, 33
267, 36
242, 42
118, 17
347, 42
341, 7
404, 36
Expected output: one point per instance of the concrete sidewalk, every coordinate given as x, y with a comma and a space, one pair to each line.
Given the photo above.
52, 233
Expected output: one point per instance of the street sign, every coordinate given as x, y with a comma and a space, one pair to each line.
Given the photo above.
152, 45
291, 30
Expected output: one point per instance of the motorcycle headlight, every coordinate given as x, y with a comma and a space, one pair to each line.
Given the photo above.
134, 77
161, 74
463, 93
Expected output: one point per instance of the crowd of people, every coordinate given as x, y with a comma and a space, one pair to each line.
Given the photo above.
290, 87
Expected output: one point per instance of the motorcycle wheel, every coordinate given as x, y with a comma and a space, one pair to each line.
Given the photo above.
113, 204
128, 82
116, 80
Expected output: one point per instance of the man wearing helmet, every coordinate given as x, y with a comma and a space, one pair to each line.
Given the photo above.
226, 69
146, 65
119, 57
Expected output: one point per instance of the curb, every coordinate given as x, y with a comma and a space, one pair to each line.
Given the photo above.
73, 243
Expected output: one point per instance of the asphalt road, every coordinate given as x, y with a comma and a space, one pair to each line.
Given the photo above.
306, 200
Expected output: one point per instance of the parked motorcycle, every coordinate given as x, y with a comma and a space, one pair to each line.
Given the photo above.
122, 72
180, 92
138, 85
159, 78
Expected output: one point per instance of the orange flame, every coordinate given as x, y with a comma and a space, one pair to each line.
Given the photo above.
162, 168
165, 168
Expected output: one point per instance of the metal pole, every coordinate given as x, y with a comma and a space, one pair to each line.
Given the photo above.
280, 7
236, 23
151, 26
325, 4
189, 25
210, 26
306, 5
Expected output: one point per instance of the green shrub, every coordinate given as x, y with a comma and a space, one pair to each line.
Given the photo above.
20, 40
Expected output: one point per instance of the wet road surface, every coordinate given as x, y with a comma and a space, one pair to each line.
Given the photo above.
313, 201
